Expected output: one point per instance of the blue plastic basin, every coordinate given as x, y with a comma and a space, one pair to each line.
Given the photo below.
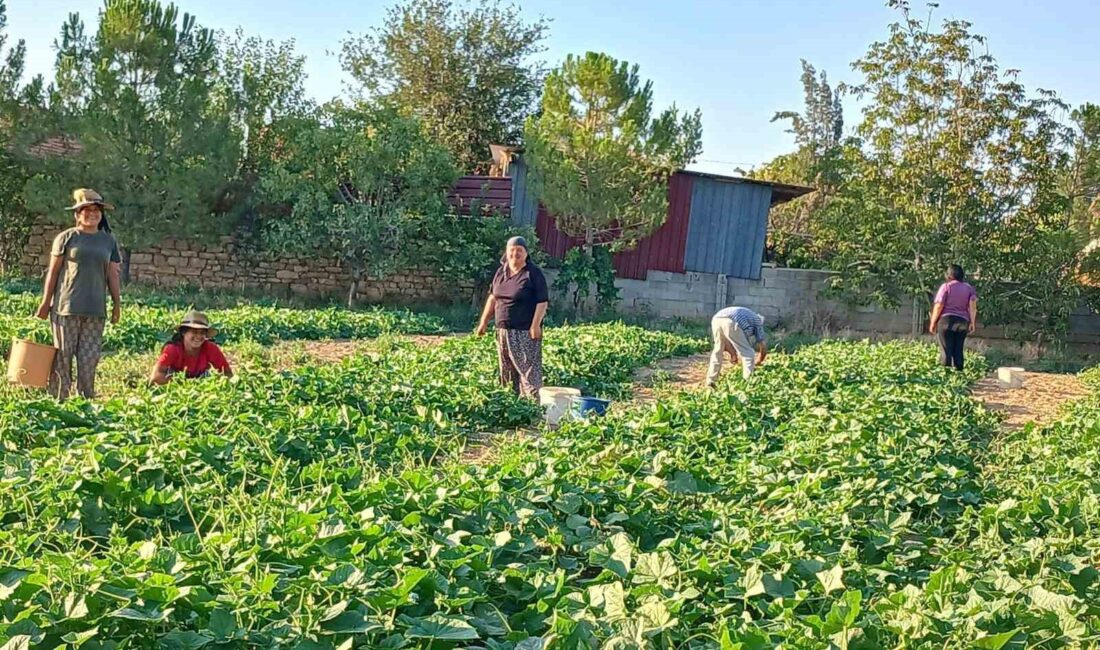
588, 406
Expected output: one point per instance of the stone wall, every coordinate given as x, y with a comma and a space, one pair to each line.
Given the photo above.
221, 265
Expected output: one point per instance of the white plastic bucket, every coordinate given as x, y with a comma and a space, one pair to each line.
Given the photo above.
557, 401
30, 363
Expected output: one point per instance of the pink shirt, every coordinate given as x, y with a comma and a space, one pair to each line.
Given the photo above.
955, 297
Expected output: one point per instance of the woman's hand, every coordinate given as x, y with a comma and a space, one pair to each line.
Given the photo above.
971, 327
43, 311
535, 332
481, 329
932, 328
116, 314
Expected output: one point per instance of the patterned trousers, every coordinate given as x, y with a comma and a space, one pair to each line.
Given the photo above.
520, 359
79, 338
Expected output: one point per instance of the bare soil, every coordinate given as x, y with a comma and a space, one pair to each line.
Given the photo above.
1038, 400
676, 373
289, 353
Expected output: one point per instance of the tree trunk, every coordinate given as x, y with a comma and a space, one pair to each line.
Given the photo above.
125, 265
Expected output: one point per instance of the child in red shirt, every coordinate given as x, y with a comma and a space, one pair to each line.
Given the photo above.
190, 351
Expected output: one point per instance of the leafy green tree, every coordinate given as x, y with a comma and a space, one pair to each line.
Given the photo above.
350, 185
260, 86
818, 131
468, 75
136, 96
599, 160
17, 103
461, 248
956, 163
1082, 178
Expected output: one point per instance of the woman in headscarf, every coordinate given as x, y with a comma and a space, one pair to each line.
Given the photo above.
191, 352
518, 298
84, 267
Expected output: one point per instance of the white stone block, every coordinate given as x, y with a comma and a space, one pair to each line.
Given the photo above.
1010, 377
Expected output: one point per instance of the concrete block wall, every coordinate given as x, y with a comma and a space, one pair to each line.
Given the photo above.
793, 298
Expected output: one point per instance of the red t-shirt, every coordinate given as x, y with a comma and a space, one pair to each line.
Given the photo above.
209, 356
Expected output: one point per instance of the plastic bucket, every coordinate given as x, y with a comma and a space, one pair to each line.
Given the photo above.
588, 406
30, 363
557, 401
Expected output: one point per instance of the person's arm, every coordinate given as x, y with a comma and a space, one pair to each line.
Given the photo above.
541, 295
113, 284
52, 273
761, 352
162, 368
937, 309
486, 314
536, 323
973, 315
160, 375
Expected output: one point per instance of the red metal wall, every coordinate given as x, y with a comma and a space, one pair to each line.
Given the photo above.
493, 194
661, 251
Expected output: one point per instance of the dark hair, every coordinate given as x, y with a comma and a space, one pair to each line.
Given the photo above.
955, 272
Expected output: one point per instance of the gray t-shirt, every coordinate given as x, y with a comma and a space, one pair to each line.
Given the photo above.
82, 285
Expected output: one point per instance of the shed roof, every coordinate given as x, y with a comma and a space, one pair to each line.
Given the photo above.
781, 192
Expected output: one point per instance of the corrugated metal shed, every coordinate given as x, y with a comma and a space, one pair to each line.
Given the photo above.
552, 240
727, 227
525, 206
493, 195
664, 249
716, 224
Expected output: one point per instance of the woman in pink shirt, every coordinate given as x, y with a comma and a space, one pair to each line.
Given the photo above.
954, 315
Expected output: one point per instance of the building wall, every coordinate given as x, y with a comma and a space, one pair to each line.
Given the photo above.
219, 265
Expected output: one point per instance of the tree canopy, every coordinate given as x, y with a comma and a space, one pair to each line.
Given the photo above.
470, 76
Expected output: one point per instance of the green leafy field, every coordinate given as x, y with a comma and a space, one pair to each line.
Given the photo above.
148, 323
849, 496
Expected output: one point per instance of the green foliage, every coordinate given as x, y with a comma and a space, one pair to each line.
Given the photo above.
148, 323
466, 74
818, 132
959, 166
15, 218
838, 499
580, 273
260, 87
349, 185
1082, 175
599, 161
461, 248
136, 98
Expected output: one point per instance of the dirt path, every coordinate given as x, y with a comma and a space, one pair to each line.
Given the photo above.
1039, 399
676, 373
288, 354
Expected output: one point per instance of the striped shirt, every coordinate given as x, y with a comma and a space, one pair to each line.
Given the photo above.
748, 321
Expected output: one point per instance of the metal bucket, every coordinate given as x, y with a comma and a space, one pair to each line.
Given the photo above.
30, 363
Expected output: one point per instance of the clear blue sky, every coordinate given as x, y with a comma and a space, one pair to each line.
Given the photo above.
737, 60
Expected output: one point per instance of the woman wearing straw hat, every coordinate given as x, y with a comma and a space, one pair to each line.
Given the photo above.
84, 264
517, 301
191, 351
